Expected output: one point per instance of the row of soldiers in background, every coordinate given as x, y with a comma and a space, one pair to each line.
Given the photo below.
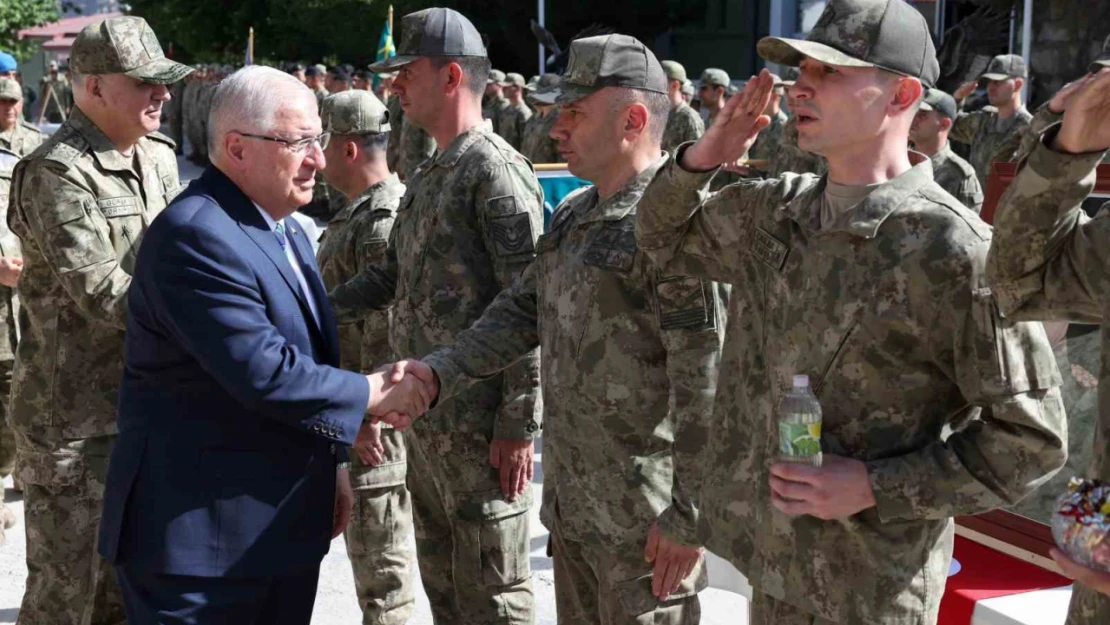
52, 101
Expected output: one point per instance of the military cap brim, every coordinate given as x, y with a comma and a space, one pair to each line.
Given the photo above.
791, 52
564, 93
1099, 65
392, 64
996, 77
161, 71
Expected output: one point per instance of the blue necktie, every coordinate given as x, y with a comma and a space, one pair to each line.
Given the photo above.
279, 233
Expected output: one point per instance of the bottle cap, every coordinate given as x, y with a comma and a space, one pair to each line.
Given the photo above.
801, 381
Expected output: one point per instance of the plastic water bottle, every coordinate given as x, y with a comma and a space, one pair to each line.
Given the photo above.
800, 425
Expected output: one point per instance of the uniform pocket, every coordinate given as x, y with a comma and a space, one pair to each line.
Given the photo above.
636, 597
496, 536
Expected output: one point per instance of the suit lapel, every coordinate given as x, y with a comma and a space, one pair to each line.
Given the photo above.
302, 249
239, 206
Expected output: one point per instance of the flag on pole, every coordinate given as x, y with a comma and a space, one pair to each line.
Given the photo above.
385, 43
248, 59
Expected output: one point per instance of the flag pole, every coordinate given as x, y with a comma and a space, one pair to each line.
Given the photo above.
250, 43
391, 19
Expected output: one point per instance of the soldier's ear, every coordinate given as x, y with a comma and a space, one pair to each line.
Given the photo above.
907, 93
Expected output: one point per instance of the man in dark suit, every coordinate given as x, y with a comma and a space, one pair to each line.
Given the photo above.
234, 417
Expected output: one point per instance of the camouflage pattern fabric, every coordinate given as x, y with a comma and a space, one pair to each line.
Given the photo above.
767, 143
511, 122
465, 230
1049, 263
537, 145
683, 124
1031, 135
957, 176
630, 360
492, 111
79, 208
473, 544
9, 331
766, 610
595, 584
22, 138
989, 138
886, 309
790, 158
172, 111
409, 145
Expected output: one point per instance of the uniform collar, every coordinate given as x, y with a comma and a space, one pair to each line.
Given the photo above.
942, 155
865, 218
370, 191
106, 154
450, 156
621, 203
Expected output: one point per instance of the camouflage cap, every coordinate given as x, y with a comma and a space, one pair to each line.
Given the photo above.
715, 77
1102, 61
355, 112
10, 89
1005, 66
124, 45
688, 88
320, 67
542, 83
512, 79
496, 77
887, 34
434, 32
674, 70
939, 101
605, 61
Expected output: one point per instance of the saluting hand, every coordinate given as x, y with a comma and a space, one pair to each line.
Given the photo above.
1086, 125
735, 129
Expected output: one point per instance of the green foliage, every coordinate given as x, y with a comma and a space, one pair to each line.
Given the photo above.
15, 15
319, 30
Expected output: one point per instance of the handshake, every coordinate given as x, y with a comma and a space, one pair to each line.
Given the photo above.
401, 392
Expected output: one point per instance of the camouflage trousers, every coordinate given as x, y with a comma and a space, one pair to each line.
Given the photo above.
471, 543
1088, 607
7, 437
379, 536
68, 583
767, 610
596, 585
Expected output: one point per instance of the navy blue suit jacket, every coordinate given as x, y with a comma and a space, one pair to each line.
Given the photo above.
232, 410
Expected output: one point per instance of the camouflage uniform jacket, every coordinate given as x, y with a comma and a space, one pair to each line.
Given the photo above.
492, 111
22, 139
465, 230
957, 176
320, 93
537, 145
790, 158
1049, 263
767, 143
887, 311
629, 368
989, 141
80, 209
58, 86
9, 303
409, 145
356, 239
511, 122
683, 124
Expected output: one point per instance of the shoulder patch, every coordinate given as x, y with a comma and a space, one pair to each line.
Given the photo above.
67, 150
613, 247
161, 138
512, 234
683, 304
768, 249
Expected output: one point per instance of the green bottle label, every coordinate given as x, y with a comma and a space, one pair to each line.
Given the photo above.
799, 440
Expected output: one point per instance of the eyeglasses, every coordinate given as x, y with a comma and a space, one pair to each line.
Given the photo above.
299, 146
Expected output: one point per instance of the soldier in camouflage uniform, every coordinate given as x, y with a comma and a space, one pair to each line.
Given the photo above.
410, 145
314, 79
877, 293
767, 143
381, 520
929, 135
79, 207
494, 101
512, 119
537, 145
791, 158
18, 138
11, 264
189, 91
713, 92
52, 90
630, 356
173, 110
993, 131
684, 124
465, 230
1048, 262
